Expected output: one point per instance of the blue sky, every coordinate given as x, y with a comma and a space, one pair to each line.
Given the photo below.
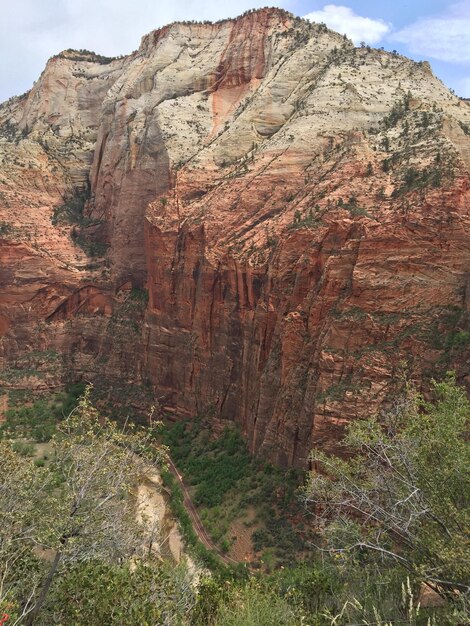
33, 30
434, 30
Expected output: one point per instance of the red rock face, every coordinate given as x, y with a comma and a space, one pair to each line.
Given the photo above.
297, 209
316, 337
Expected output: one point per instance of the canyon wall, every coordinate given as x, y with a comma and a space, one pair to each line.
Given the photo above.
254, 219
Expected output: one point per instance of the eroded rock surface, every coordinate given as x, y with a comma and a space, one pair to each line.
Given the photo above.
296, 207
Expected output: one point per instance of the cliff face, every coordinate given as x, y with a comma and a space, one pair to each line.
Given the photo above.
297, 208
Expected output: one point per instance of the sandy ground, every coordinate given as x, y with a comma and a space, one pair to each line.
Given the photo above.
162, 534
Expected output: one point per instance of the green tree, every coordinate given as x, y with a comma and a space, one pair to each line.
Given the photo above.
23, 490
81, 507
97, 593
405, 493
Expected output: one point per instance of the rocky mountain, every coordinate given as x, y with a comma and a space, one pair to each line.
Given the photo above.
253, 219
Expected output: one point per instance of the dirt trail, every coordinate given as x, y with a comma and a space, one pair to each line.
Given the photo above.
199, 529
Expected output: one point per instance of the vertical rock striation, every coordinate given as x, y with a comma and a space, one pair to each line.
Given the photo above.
297, 208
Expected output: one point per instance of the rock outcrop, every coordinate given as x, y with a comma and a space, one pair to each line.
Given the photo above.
296, 207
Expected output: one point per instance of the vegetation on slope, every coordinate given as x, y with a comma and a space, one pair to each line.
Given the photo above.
231, 489
395, 516
405, 493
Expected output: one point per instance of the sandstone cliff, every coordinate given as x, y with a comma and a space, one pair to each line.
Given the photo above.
296, 207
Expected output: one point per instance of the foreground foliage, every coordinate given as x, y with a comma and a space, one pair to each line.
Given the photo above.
96, 592
77, 508
73, 554
405, 493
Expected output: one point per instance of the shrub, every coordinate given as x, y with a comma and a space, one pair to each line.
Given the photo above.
408, 486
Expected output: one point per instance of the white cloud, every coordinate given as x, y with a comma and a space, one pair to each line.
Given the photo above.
445, 37
31, 31
344, 20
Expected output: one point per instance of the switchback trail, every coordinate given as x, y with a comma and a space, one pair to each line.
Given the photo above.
198, 526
